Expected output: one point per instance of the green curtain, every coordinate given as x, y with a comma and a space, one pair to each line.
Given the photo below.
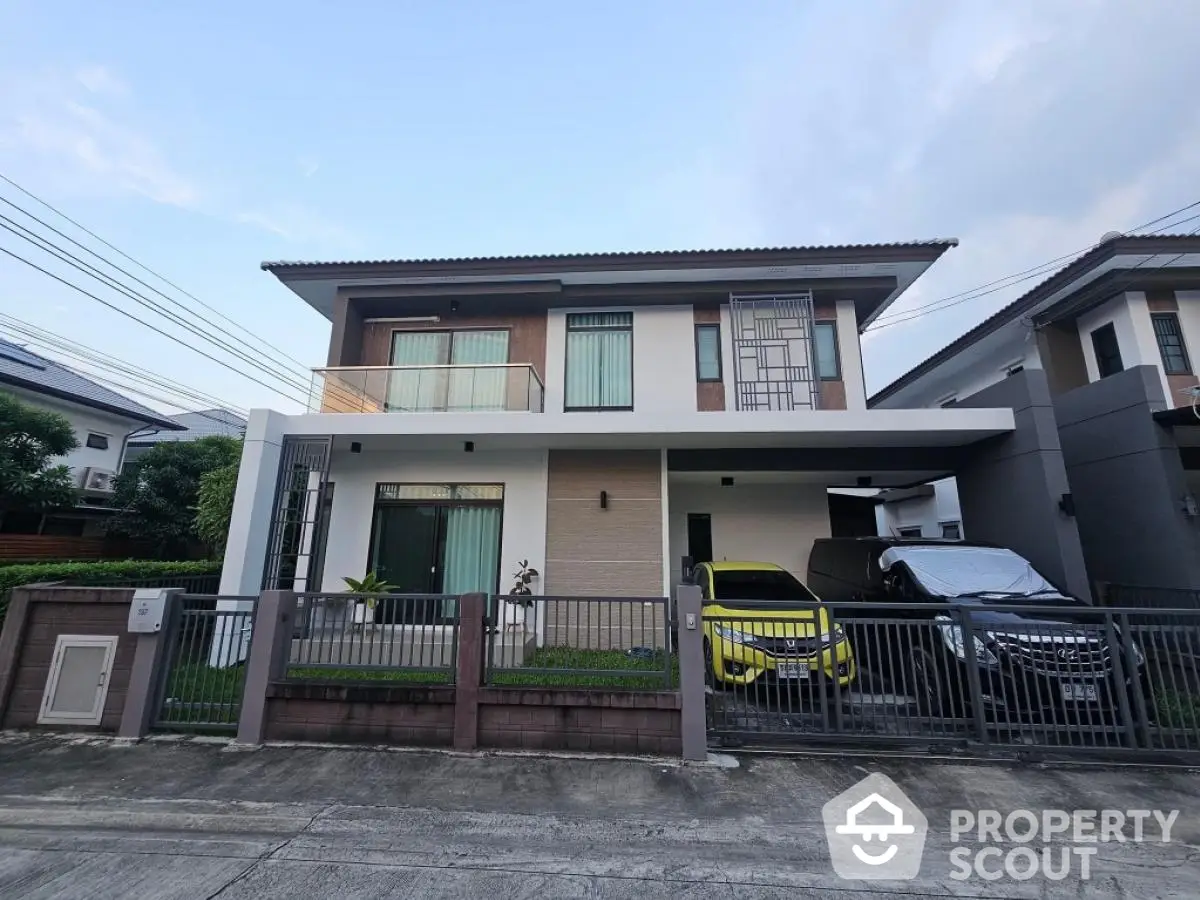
418, 390
472, 552
600, 361
478, 388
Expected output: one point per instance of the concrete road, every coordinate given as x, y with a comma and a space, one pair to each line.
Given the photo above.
97, 819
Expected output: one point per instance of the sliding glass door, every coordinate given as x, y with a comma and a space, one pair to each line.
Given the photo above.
426, 389
431, 545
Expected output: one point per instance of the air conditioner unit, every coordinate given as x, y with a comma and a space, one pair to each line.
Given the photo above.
98, 481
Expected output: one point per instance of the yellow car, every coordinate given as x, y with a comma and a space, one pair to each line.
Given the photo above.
770, 637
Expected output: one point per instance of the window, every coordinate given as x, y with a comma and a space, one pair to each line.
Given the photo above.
912, 531
1108, 351
97, 441
952, 531
1170, 344
599, 361
479, 385
708, 352
760, 584
829, 366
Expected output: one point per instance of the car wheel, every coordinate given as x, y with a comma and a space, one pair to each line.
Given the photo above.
930, 686
710, 673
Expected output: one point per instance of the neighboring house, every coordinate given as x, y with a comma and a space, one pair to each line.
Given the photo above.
920, 511
196, 425
103, 421
1104, 351
603, 416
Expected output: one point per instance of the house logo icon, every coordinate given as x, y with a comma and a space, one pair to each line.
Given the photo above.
874, 831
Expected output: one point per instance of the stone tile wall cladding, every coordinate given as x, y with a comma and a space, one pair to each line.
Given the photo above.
416, 716
93, 611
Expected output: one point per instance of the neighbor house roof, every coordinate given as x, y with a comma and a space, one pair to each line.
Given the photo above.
199, 424
637, 259
1116, 245
21, 368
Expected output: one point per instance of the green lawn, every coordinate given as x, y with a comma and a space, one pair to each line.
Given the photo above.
1177, 710
201, 693
568, 658
308, 673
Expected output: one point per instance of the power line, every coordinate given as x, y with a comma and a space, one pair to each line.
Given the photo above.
976, 293
140, 265
74, 350
1008, 281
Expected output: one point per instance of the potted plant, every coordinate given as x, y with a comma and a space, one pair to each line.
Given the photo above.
372, 584
521, 594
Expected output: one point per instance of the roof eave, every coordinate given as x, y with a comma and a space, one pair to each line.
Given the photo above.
34, 387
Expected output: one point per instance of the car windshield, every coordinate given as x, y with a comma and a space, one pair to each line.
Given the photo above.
970, 572
760, 584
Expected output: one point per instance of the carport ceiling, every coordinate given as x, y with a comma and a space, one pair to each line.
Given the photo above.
828, 479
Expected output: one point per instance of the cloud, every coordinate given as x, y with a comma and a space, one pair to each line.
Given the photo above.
298, 224
99, 80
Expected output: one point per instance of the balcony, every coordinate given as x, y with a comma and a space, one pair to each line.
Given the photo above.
501, 387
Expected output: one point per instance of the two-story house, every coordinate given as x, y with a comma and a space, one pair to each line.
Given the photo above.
1109, 345
602, 416
103, 420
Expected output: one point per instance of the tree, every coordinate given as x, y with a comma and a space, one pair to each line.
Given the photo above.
158, 493
30, 439
215, 507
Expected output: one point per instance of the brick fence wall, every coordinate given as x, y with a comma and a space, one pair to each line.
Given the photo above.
375, 714
36, 620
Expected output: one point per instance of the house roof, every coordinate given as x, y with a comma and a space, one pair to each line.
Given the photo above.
626, 259
198, 424
21, 368
1105, 250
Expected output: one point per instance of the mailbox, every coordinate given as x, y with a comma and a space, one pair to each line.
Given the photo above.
148, 609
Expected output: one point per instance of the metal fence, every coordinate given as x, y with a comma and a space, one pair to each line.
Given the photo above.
579, 641
204, 672
380, 636
206, 585
1018, 675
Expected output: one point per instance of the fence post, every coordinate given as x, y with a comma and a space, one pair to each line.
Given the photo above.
150, 669
468, 675
974, 686
690, 647
270, 642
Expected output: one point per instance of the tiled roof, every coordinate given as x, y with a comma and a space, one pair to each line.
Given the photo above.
664, 255
199, 424
1134, 243
22, 368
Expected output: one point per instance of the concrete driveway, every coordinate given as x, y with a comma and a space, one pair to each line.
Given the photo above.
95, 819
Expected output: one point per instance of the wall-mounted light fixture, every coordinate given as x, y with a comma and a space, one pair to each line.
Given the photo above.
1066, 503
726, 481
604, 499
1190, 509
468, 446
453, 306
863, 481
355, 447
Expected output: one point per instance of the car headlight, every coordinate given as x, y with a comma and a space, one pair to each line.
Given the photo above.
732, 634
952, 634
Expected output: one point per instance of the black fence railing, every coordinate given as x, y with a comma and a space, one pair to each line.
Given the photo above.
203, 677
191, 584
396, 637
1017, 675
622, 642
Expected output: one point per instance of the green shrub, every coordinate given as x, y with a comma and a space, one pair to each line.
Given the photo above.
104, 572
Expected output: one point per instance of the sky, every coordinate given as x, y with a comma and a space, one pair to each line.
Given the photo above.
202, 139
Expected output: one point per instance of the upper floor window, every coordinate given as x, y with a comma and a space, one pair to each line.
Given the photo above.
599, 361
708, 352
1108, 351
829, 366
1170, 343
421, 385
97, 441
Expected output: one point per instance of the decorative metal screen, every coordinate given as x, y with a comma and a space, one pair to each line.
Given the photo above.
773, 352
297, 536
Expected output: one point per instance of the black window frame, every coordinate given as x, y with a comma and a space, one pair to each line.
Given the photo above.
1103, 362
720, 376
1185, 360
101, 441
837, 351
566, 358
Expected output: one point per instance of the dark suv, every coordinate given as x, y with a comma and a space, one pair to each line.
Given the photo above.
1038, 651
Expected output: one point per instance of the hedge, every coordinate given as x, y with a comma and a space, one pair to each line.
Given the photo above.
104, 572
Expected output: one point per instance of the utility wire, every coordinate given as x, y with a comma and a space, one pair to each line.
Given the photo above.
58, 344
1015, 278
145, 268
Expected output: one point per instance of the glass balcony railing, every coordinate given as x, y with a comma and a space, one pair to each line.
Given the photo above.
503, 387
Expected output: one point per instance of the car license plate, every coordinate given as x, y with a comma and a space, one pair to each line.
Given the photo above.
792, 670
1088, 693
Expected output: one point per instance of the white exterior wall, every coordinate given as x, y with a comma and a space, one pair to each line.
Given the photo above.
83, 420
850, 352
927, 512
523, 474
1189, 324
250, 523
664, 358
774, 523
1135, 334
